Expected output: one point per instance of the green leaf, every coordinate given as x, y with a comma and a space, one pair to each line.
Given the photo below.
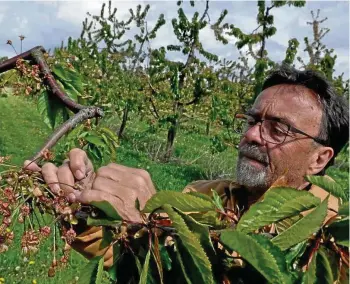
112, 271
88, 274
340, 231
327, 184
107, 238
217, 201
323, 268
166, 260
278, 204
68, 75
51, 109
254, 253
201, 232
108, 209
99, 273
95, 140
180, 247
302, 229
309, 276
278, 255
71, 91
143, 276
334, 261
294, 253
201, 195
199, 269
284, 224
344, 209
209, 218
182, 201
101, 222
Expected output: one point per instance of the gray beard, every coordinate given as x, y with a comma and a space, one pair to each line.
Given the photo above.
249, 176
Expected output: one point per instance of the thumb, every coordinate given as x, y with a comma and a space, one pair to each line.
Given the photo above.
31, 166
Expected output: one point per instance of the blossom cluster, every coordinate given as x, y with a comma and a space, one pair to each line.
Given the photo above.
26, 201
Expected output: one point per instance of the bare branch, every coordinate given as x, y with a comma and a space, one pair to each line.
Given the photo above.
82, 115
36, 56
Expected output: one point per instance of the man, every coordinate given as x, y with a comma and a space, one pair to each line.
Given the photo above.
296, 127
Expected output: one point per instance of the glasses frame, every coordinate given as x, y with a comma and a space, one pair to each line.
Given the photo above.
290, 128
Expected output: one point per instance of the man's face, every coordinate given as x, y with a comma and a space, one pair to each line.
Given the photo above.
261, 163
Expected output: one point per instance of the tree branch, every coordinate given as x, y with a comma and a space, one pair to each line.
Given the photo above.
36, 56
82, 115
205, 11
151, 101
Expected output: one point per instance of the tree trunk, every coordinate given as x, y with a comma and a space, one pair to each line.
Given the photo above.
207, 130
170, 140
123, 124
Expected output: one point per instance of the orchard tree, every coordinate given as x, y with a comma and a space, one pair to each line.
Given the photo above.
320, 57
175, 86
256, 40
123, 52
232, 94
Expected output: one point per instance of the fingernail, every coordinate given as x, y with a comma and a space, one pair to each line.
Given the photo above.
55, 188
79, 174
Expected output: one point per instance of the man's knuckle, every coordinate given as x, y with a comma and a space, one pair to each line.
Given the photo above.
139, 181
102, 170
86, 197
76, 151
145, 174
112, 165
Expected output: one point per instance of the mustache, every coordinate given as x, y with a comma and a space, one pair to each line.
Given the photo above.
253, 152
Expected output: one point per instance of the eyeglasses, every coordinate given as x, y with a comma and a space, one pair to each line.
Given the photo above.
272, 130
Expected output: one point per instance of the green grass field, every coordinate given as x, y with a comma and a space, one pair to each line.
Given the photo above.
22, 131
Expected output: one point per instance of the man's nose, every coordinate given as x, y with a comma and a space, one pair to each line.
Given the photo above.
253, 135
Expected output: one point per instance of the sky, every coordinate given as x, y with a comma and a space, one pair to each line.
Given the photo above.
48, 23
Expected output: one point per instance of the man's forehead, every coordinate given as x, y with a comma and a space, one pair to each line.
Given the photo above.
288, 102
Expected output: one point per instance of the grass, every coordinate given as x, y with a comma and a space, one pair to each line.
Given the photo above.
22, 132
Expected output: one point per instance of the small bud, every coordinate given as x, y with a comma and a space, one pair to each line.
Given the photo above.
25, 210
45, 231
67, 247
37, 192
3, 248
20, 218
51, 272
54, 263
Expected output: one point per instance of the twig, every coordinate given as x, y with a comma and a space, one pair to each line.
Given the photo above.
205, 11
36, 55
71, 123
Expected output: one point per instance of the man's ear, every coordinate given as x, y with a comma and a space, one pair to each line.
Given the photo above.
320, 159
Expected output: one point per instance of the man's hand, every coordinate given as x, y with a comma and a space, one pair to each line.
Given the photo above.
117, 184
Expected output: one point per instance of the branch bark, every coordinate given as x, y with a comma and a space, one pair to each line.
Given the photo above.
36, 56
81, 116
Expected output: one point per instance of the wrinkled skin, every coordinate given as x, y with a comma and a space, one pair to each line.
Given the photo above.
117, 184
296, 157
